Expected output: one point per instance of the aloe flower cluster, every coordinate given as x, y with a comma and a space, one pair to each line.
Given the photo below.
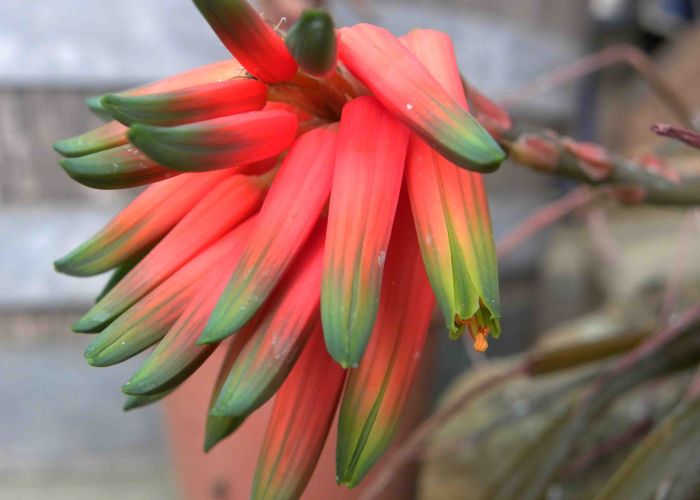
309, 200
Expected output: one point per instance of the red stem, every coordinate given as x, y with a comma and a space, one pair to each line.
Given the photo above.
684, 135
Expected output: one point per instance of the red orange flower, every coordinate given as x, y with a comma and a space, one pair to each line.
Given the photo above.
303, 215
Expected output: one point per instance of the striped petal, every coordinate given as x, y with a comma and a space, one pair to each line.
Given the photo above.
218, 428
121, 271
192, 104
215, 72
292, 207
249, 38
407, 89
278, 337
230, 203
140, 225
366, 183
154, 315
218, 143
177, 356
451, 213
110, 135
377, 389
117, 168
299, 424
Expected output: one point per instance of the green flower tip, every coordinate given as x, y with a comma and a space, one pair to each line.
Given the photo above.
312, 42
141, 384
210, 441
139, 131
62, 265
94, 353
67, 164
351, 468
113, 100
214, 437
91, 357
94, 104
68, 147
351, 472
77, 169
72, 265
155, 138
210, 337
218, 428
92, 322
132, 403
217, 329
115, 105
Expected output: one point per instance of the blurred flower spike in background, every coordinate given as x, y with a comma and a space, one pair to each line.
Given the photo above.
310, 200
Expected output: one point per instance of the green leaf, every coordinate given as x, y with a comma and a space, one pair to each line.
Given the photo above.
666, 463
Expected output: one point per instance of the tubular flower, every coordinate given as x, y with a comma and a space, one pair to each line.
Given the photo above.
310, 200
452, 214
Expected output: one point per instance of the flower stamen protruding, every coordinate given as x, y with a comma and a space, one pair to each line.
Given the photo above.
477, 328
480, 342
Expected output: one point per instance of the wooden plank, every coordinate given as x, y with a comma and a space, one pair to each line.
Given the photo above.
31, 119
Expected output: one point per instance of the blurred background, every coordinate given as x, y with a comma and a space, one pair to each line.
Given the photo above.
62, 431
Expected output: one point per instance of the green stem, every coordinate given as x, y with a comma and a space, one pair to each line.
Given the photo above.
551, 153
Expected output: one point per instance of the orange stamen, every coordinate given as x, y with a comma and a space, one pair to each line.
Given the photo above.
480, 342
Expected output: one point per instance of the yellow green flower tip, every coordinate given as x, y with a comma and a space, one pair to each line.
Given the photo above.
64, 265
164, 370
405, 87
293, 206
144, 314
451, 214
312, 42
141, 383
92, 323
213, 334
188, 105
109, 135
134, 402
123, 339
219, 428
376, 391
117, 168
139, 227
278, 336
367, 180
299, 423
94, 104
177, 356
217, 143
93, 350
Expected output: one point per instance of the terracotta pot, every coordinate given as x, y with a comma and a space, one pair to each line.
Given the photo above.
226, 472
